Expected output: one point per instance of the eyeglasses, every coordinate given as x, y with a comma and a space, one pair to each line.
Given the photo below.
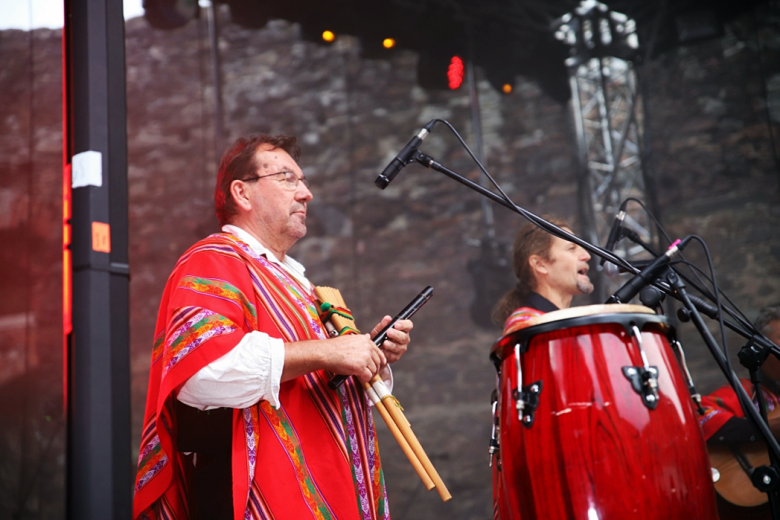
290, 180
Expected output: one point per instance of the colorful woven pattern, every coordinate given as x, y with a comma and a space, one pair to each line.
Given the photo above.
224, 290
516, 320
193, 326
150, 461
289, 439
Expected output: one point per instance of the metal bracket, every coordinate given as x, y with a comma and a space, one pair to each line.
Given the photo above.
493, 450
527, 401
644, 381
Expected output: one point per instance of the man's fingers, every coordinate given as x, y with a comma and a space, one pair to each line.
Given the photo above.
365, 375
404, 326
381, 325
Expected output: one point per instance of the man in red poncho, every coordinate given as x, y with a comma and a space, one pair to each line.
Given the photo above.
239, 420
725, 426
724, 420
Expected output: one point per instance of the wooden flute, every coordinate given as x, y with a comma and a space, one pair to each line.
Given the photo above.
338, 320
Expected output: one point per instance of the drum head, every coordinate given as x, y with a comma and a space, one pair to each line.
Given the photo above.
572, 317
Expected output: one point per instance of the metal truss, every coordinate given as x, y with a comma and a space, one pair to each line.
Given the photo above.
609, 127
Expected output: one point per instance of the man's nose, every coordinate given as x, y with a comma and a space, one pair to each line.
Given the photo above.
303, 193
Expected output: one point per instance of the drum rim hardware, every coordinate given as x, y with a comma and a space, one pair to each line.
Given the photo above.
644, 379
494, 446
695, 395
523, 337
526, 400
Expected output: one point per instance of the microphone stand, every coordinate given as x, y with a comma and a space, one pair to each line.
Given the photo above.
703, 307
764, 478
752, 356
551, 228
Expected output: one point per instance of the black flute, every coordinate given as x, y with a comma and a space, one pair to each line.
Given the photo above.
407, 312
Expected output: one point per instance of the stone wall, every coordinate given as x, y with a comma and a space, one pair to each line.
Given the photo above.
712, 161
32, 418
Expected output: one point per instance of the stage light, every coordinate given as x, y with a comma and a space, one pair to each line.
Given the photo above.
507, 88
455, 73
388, 43
328, 36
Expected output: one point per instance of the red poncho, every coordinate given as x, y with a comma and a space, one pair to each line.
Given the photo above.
315, 457
723, 404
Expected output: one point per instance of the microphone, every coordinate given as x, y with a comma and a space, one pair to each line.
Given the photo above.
403, 158
616, 233
645, 277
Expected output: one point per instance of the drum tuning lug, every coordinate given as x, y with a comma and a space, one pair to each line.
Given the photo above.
492, 451
494, 448
527, 401
644, 381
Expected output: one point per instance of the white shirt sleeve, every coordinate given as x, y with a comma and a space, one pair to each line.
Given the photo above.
250, 372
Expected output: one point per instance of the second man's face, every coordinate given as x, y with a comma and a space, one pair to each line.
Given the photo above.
569, 268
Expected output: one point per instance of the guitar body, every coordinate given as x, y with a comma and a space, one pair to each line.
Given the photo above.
734, 484
737, 498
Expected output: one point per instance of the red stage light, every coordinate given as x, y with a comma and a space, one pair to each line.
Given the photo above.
455, 73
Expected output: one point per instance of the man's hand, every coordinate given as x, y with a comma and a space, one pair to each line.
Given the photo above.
397, 338
353, 354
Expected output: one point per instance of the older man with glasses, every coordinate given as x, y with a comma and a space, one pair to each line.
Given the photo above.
239, 421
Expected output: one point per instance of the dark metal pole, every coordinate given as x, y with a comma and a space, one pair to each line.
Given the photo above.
99, 456
216, 77
479, 148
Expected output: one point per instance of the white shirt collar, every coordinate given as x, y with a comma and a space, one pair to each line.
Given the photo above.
289, 264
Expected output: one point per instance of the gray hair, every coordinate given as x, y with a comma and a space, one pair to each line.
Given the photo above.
766, 316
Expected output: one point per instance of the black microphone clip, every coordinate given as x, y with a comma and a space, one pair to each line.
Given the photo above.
646, 276
403, 158
616, 233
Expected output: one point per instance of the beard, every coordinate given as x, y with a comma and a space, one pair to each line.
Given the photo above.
584, 287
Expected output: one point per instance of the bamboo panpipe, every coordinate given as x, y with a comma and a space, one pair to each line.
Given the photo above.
399, 437
391, 410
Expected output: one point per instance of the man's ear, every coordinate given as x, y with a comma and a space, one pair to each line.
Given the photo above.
538, 264
240, 192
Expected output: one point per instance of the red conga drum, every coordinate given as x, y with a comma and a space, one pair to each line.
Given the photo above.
595, 421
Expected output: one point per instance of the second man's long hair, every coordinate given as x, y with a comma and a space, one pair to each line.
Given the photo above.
530, 240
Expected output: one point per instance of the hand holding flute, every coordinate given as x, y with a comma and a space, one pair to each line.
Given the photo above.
393, 334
